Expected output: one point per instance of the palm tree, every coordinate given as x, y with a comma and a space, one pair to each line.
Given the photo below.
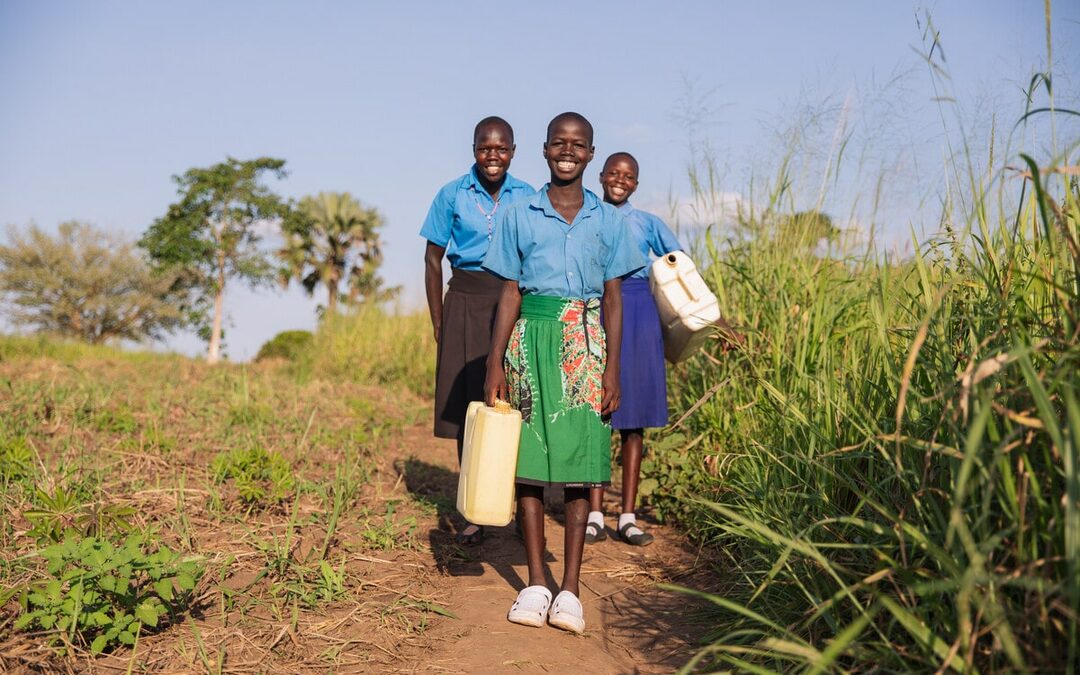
325, 236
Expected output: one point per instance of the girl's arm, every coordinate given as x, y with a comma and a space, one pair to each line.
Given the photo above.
433, 285
505, 318
612, 302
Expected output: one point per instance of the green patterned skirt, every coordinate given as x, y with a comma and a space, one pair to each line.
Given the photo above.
554, 366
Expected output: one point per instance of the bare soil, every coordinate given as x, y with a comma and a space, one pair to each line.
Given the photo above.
410, 599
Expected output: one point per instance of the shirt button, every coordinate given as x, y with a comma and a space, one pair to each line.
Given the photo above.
569, 274
567, 236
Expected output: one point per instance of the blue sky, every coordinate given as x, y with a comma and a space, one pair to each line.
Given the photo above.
103, 102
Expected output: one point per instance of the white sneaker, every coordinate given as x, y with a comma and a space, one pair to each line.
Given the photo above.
531, 606
567, 613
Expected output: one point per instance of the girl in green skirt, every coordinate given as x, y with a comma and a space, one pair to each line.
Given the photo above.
562, 254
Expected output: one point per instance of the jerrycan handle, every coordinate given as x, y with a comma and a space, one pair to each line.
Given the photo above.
670, 259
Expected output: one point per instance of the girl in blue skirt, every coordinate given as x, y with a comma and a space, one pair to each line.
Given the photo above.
642, 378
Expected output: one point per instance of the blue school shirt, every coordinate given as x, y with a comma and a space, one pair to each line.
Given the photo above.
650, 234
456, 219
546, 255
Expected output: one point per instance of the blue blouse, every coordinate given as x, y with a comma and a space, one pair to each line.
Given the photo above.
650, 234
534, 245
458, 217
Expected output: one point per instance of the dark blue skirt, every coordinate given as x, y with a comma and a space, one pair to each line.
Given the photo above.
642, 378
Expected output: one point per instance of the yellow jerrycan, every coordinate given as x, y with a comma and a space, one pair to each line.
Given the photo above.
688, 309
489, 463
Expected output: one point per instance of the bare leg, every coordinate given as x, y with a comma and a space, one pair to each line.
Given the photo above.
633, 442
531, 516
596, 499
577, 511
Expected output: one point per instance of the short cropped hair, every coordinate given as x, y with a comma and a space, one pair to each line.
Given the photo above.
577, 117
491, 122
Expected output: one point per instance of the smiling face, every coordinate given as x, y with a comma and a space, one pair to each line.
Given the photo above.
568, 149
619, 178
493, 148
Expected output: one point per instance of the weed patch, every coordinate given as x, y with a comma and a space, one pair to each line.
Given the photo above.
257, 474
98, 595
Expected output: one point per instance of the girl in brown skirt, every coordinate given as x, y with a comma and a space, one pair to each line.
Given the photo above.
459, 225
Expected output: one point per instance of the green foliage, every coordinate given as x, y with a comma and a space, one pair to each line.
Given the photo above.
16, 458
891, 466
210, 235
101, 596
64, 512
258, 475
373, 346
290, 345
86, 284
330, 238
119, 421
674, 475
388, 531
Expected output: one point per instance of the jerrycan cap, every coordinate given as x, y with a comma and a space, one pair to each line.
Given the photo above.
502, 406
670, 259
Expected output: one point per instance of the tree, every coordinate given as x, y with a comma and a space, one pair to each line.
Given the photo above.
807, 228
84, 283
330, 238
213, 233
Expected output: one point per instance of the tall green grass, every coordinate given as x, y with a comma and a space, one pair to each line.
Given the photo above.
892, 466
374, 346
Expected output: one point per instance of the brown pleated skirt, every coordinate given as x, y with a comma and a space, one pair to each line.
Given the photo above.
464, 341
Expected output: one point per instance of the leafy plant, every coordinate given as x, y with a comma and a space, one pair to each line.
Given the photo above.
102, 595
258, 474
16, 458
672, 473
289, 345
63, 512
391, 532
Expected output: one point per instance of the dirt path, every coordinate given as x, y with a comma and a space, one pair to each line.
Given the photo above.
631, 626
290, 587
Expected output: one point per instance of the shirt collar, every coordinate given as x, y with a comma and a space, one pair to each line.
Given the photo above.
542, 202
472, 182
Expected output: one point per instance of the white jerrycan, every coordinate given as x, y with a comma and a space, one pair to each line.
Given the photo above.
688, 309
489, 463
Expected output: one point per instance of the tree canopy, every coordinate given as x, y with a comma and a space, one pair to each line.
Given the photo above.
213, 233
84, 283
330, 238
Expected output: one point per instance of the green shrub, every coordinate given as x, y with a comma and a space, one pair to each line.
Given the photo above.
290, 345
98, 595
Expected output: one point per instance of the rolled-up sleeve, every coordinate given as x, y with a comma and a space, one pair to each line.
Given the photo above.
503, 255
440, 218
625, 257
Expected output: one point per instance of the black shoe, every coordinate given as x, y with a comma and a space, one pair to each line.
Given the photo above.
474, 538
638, 539
594, 533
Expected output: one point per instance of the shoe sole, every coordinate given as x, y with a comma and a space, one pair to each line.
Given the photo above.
526, 621
568, 624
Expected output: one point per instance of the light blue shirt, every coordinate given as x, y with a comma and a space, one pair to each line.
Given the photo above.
457, 221
546, 255
650, 234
